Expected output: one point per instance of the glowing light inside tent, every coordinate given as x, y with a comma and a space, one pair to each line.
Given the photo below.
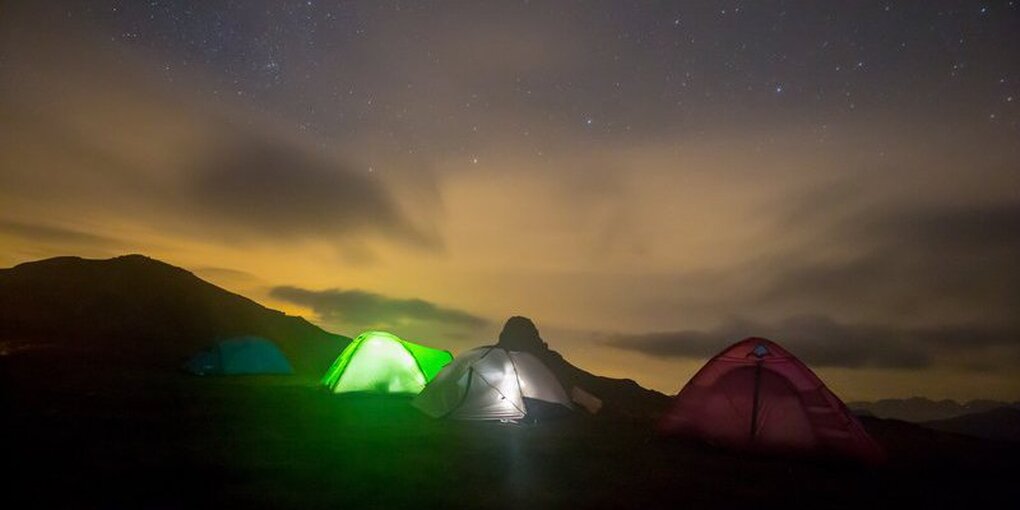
380, 362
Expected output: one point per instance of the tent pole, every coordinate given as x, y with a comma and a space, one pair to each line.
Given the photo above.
467, 389
754, 403
517, 375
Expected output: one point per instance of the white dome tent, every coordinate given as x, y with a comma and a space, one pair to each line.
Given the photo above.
491, 383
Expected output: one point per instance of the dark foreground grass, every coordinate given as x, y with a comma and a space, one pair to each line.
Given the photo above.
137, 440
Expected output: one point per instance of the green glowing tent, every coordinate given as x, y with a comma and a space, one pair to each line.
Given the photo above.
380, 362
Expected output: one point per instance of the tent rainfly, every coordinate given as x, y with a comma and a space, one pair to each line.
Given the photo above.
757, 396
246, 355
491, 383
380, 362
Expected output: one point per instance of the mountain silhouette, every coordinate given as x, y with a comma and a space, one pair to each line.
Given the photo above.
94, 403
621, 398
134, 311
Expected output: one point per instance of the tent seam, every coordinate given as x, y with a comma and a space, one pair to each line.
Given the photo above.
463, 398
517, 375
343, 370
416, 362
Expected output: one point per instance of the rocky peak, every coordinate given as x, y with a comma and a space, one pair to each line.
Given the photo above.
520, 334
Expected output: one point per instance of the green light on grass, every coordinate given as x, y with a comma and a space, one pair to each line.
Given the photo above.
381, 362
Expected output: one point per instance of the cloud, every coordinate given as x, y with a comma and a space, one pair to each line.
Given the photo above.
368, 309
281, 190
52, 234
128, 146
957, 228
823, 342
920, 265
900, 287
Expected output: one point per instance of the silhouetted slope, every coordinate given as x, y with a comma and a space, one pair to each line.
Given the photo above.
1002, 423
920, 409
620, 397
142, 310
917, 447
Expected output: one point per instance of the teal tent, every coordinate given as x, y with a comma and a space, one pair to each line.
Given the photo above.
240, 356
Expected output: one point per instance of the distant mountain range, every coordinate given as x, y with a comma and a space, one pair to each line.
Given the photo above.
137, 313
920, 409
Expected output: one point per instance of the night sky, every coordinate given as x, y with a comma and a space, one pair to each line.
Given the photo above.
648, 181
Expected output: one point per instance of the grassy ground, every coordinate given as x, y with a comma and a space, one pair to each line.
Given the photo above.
89, 437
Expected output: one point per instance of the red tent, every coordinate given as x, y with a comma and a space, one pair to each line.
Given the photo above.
757, 396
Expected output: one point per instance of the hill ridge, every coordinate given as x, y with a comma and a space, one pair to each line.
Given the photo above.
144, 309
